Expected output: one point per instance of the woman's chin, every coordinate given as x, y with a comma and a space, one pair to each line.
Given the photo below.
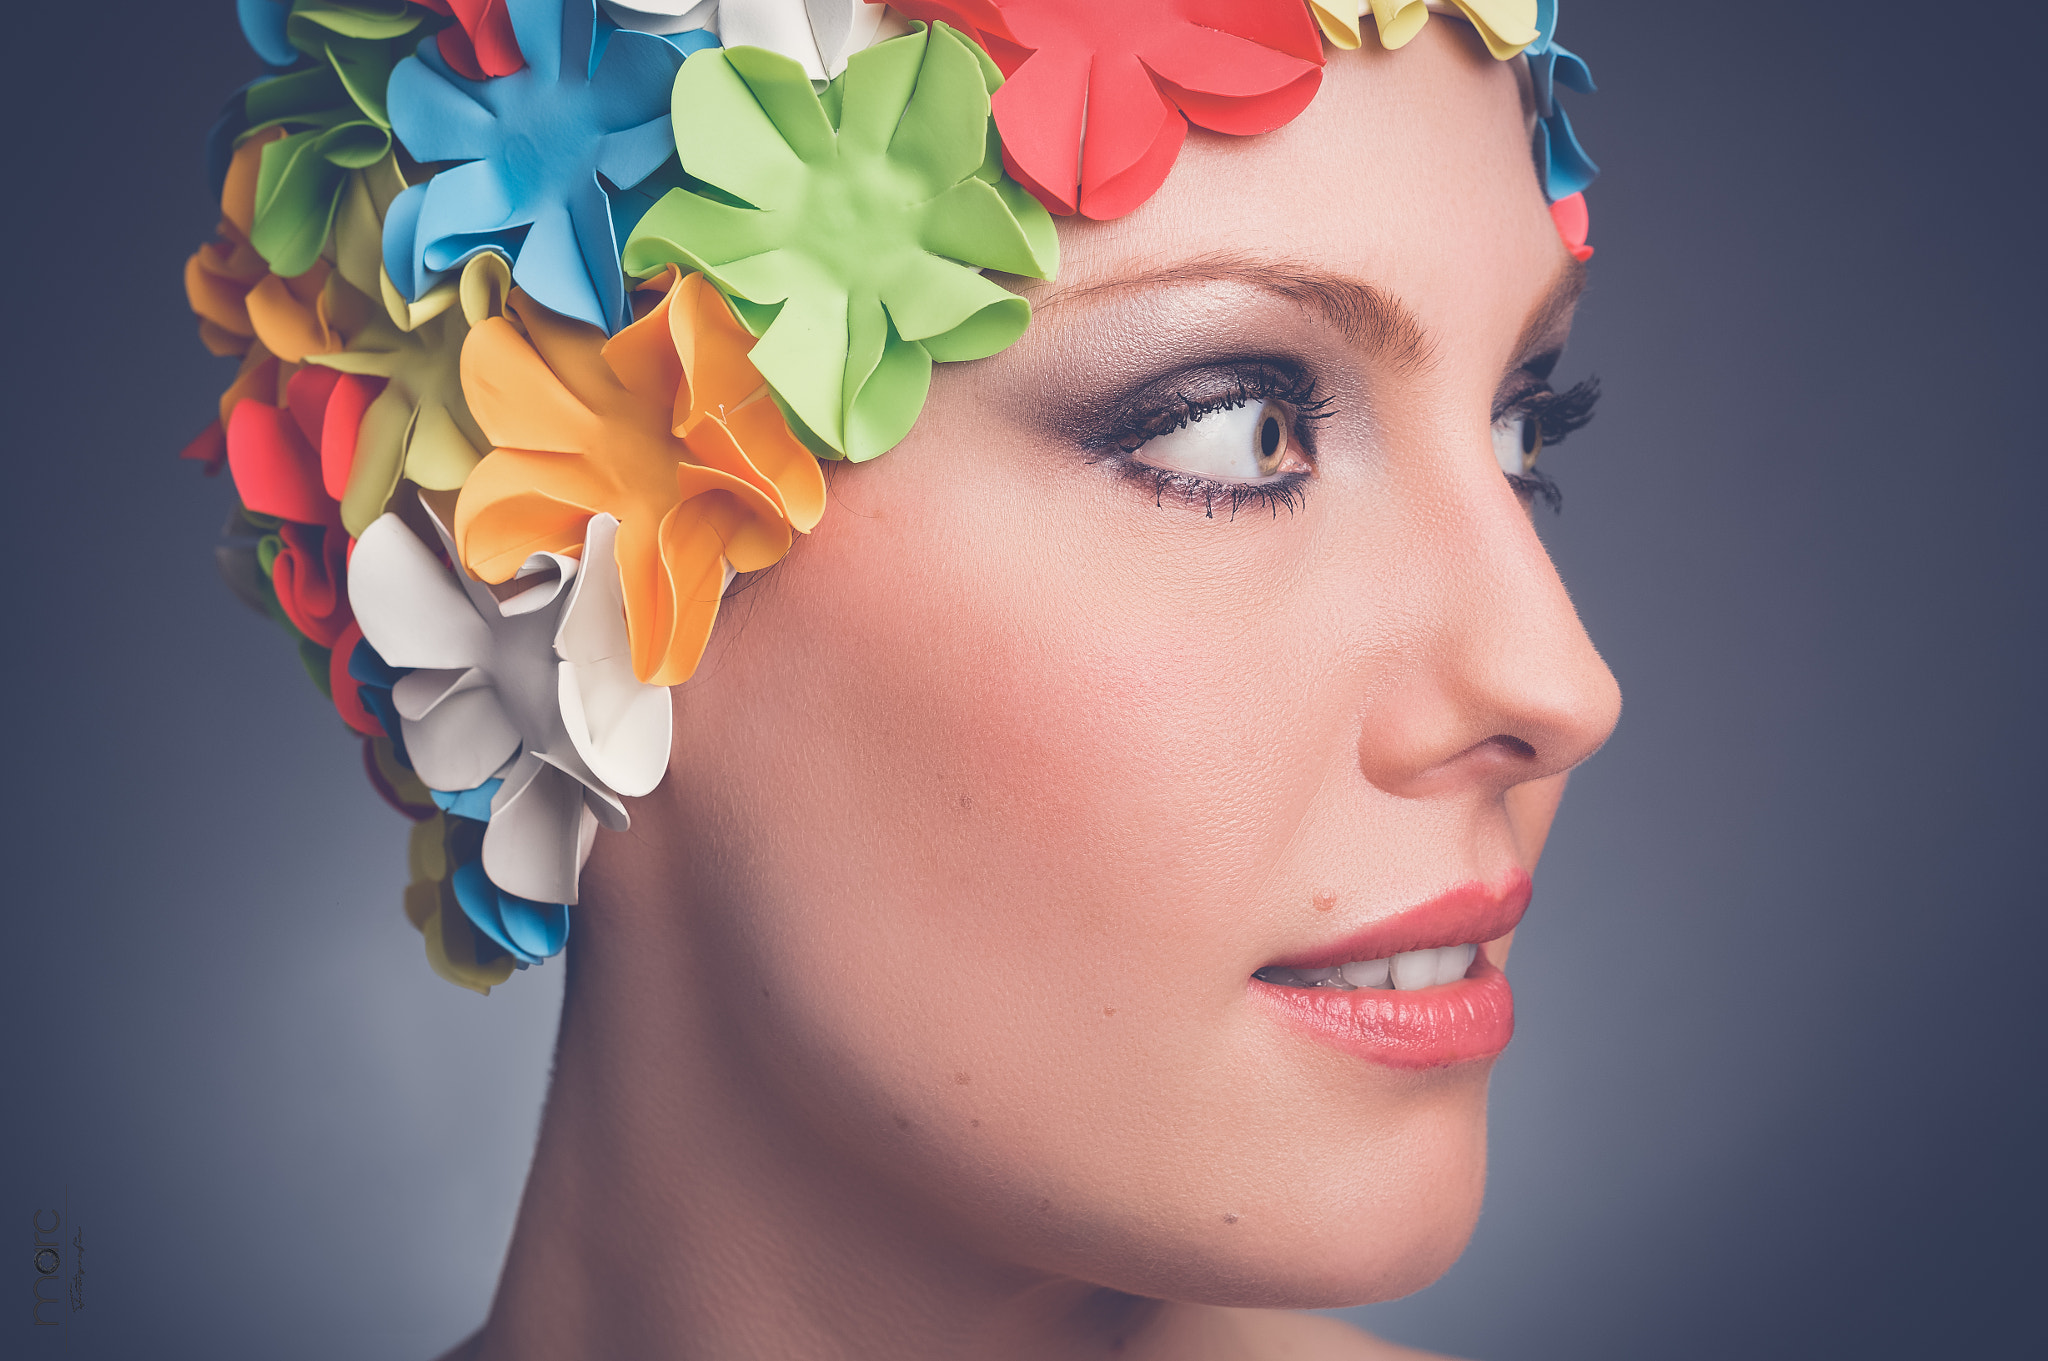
1365, 1230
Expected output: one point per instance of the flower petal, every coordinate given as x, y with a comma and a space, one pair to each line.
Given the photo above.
276, 471
1229, 84
435, 119
517, 399
621, 728
759, 133
410, 608
463, 741
530, 846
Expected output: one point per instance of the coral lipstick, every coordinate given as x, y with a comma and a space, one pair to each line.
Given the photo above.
1458, 1021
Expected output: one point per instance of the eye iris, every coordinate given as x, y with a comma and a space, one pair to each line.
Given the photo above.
1272, 439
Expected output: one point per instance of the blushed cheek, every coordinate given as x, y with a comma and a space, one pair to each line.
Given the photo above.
1015, 767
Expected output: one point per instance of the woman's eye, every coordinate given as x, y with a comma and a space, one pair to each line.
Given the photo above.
1517, 439
1247, 443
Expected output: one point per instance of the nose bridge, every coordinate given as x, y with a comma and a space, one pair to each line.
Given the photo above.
1495, 682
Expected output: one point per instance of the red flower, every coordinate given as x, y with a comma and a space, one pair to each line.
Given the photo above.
292, 462
1573, 224
1133, 74
480, 42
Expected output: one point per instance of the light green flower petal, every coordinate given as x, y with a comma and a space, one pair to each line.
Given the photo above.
929, 138
956, 313
802, 354
749, 156
972, 218
785, 95
696, 232
875, 95
887, 404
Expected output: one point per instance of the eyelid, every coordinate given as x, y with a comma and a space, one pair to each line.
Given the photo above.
1172, 401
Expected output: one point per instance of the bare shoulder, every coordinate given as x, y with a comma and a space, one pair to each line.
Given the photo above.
1274, 1335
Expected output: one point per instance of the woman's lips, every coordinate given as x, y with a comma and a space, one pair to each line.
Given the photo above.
1473, 1018
1463, 1021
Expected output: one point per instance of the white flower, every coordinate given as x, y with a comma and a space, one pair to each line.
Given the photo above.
536, 690
821, 34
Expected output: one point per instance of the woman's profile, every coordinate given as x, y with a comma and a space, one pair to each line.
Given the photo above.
981, 554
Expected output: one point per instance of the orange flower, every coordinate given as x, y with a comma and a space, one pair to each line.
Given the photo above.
667, 426
238, 300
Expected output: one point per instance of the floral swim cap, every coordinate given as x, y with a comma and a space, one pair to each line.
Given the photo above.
547, 310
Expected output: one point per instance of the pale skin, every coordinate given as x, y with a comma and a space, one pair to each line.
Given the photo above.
910, 1020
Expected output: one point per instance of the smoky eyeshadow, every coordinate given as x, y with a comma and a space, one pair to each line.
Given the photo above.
1102, 420
1102, 368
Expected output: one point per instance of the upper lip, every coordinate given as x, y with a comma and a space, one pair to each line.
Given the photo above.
1469, 914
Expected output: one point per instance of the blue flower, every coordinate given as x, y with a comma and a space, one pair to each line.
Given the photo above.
590, 108
526, 930
263, 26
1562, 163
374, 679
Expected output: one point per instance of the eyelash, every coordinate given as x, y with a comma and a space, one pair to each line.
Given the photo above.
1289, 386
1557, 414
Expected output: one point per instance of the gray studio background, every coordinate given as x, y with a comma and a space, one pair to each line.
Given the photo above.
1776, 1091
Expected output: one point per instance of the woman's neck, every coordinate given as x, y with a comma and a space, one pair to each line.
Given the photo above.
669, 1213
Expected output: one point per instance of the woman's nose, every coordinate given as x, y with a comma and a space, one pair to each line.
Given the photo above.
1499, 684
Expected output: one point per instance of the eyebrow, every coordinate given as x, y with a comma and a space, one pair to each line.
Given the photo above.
1364, 315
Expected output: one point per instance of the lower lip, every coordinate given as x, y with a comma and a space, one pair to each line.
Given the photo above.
1463, 1022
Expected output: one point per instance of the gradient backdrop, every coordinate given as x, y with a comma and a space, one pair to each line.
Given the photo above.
1777, 1087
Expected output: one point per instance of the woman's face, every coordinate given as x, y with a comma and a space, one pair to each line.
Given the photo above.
989, 802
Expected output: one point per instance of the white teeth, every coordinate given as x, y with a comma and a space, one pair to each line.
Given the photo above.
1413, 969
1366, 973
1407, 972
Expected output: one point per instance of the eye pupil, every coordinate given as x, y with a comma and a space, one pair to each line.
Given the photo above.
1269, 436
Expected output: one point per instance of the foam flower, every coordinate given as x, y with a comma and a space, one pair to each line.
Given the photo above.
287, 462
419, 428
480, 43
1574, 224
872, 213
667, 427
532, 696
1505, 26
1561, 162
247, 310
456, 949
260, 375
241, 300
1100, 96
535, 144
331, 109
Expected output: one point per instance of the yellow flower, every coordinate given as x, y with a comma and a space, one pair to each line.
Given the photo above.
1505, 26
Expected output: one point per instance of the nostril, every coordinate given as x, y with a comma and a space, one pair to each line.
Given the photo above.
1514, 746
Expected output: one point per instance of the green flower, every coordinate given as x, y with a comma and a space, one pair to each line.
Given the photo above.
332, 108
849, 229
